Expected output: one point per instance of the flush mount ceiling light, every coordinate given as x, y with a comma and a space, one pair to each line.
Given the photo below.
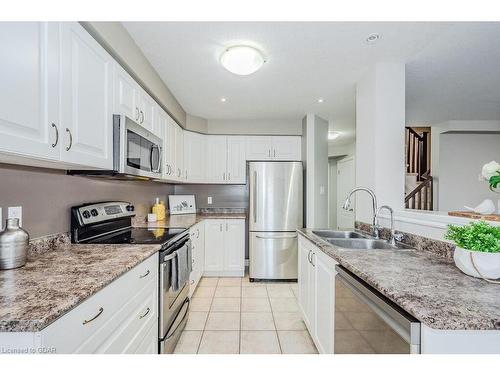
372, 38
242, 60
333, 135
223, 100
321, 100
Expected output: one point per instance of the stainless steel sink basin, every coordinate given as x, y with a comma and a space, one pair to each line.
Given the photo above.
337, 234
360, 243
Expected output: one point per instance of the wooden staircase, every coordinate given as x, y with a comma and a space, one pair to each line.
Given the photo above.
418, 156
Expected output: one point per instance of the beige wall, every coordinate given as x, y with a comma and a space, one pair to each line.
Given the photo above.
116, 39
196, 123
47, 195
283, 127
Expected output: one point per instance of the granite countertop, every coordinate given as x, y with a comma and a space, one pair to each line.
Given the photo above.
55, 281
428, 287
59, 275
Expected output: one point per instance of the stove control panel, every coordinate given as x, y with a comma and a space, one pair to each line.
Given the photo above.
98, 212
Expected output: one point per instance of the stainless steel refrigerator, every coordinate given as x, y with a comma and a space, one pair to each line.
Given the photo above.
276, 211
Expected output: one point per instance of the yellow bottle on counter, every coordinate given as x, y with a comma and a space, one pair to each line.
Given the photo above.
159, 210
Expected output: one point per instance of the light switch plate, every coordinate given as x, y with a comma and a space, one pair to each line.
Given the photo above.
209, 200
14, 212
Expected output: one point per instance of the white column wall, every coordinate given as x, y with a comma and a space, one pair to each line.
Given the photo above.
380, 125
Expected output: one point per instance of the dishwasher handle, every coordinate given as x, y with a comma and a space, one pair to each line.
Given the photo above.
406, 326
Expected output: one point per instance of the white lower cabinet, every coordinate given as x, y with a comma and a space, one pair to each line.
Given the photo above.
225, 247
316, 279
197, 235
121, 318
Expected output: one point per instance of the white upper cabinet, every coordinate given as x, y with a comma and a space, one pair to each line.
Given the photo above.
273, 148
258, 148
86, 99
125, 94
216, 158
169, 167
29, 71
286, 148
225, 158
179, 153
146, 107
194, 157
236, 160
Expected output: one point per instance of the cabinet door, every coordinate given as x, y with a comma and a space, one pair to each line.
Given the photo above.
286, 148
29, 71
169, 166
236, 160
194, 157
304, 279
125, 94
86, 101
324, 301
216, 158
147, 110
179, 153
214, 245
258, 148
234, 245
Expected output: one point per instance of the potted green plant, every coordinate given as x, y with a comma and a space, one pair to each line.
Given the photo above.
477, 251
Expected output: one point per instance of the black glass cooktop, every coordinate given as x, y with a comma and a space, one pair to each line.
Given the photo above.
139, 236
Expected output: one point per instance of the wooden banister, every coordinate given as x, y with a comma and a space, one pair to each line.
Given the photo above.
420, 198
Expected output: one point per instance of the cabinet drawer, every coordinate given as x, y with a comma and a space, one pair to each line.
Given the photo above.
92, 321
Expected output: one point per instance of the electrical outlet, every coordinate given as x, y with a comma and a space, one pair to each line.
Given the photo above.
209, 200
14, 212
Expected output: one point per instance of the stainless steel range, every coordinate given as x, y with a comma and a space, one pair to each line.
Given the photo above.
111, 223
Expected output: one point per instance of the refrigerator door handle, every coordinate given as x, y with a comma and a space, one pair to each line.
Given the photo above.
255, 196
276, 238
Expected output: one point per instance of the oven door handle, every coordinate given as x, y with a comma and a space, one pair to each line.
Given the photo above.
170, 256
182, 314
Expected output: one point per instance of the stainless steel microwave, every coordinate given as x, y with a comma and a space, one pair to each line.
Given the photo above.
137, 153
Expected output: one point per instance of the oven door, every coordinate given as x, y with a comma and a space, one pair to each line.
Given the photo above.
141, 150
367, 323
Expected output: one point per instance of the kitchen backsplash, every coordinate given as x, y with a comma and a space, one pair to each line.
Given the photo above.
46, 196
223, 196
436, 247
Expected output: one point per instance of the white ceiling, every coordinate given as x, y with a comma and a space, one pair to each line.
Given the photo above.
309, 60
457, 77
305, 61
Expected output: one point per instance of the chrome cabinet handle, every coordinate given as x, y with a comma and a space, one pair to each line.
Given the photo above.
142, 117
221, 227
70, 139
146, 313
312, 257
269, 152
197, 233
186, 174
274, 152
229, 176
143, 276
224, 176
178, 172
57, 135
95, 317
227, 227
136, 113
309, 256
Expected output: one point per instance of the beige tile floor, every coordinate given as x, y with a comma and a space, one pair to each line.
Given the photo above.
233, 316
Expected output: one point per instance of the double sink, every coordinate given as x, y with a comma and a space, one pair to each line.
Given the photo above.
354, 240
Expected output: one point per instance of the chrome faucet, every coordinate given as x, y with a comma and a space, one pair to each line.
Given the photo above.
347, 204
393, 237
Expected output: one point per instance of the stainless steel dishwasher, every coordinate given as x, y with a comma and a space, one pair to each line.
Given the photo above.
368, 323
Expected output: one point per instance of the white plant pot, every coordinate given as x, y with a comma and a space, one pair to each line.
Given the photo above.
487, 263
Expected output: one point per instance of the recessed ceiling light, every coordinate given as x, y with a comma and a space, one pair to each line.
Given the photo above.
333, 135
223, 100
321, 100
372, 38
242, 60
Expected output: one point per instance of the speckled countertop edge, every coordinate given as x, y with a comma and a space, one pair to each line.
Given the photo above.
427, 286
